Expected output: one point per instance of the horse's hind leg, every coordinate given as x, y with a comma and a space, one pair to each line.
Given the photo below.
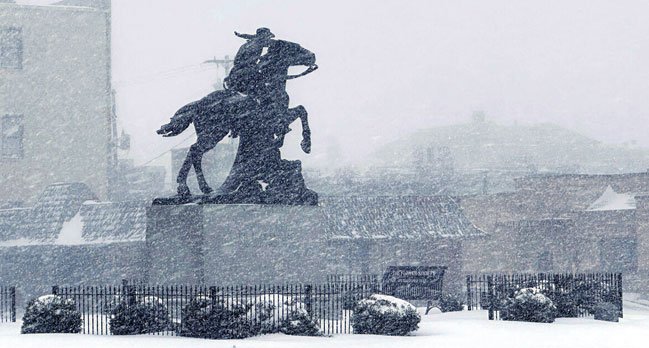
183, 189
202, 183
203, 145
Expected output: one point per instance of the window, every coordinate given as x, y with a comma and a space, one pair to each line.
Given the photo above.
11, 136
11, 48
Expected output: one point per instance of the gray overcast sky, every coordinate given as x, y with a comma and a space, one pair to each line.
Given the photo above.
390, 67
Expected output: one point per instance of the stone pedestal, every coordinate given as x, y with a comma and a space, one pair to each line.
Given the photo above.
228, 244
174, 243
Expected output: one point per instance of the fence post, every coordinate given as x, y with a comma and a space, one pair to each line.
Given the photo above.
619, 294
213, 295
554, 288
491, 296
469, 303
12, 294
308, 300
129, 290
55, 290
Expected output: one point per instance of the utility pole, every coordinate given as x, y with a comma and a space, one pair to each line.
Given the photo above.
225, 63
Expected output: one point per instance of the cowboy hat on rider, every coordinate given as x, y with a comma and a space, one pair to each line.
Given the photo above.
262, 33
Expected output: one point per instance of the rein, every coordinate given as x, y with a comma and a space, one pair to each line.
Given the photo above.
311, 69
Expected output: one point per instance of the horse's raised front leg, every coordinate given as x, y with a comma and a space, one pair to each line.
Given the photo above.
300, 112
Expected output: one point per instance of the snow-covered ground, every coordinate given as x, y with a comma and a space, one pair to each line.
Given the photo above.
453, 330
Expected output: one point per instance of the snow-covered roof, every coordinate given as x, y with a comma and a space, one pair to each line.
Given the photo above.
68, 214
611, 200
394, 217
57, 204
122, 221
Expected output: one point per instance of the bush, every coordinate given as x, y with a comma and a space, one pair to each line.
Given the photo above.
147, 316
566, 303
384, 315
51, 314
529, 304
278, 313
451, 303
589, 294
299, 323
569, 297
607, 311
220, 320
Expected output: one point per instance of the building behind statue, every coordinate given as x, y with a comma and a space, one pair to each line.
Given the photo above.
56, 107
570, 223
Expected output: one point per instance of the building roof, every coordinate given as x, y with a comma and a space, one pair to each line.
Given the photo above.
57, 204
611, 200
10, 220
70, 214
393, 217
122, 221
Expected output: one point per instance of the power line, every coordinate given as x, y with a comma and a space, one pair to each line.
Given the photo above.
162, 75
169, 150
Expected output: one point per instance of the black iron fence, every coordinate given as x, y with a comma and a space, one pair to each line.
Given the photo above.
575, 295
7, 304
329, 304
352, 278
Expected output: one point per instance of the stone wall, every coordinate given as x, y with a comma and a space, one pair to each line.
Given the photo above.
34, 269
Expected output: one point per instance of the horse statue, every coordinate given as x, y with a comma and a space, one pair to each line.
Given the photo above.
260, 120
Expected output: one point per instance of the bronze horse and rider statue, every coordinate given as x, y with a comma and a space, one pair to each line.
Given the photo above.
254, 107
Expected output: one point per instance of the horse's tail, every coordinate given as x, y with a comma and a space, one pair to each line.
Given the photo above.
180, 121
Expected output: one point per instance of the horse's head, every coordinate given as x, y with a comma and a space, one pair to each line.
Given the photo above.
283, 55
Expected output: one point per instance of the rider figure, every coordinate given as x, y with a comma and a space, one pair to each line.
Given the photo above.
244, 75
249, 78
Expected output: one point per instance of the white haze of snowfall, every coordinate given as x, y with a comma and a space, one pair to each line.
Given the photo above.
390, 67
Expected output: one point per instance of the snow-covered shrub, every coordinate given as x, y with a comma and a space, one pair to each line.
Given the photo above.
205, 318
145, 316
195, 317
566, 303
589, 294
569, 297
529, 304
607, 311
384, 315
451, 303
51, 314
299, 323
277, 313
